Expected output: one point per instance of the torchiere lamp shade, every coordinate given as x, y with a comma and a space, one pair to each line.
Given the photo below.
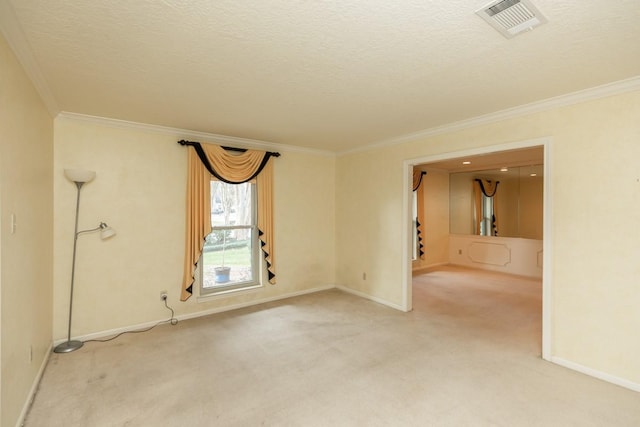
79, 175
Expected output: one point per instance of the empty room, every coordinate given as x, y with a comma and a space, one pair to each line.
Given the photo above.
477, 246
317, 213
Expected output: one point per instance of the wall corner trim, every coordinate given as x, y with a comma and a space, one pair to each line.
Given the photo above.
17, 40
370, 297
596, 374
34, 388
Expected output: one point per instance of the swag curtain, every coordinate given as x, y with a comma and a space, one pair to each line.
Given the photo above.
419, 189
233, 166
198, 221
488, 189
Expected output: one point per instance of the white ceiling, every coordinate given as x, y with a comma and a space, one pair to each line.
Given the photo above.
331, 75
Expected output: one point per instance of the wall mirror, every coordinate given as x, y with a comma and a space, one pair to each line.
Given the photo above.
504, 202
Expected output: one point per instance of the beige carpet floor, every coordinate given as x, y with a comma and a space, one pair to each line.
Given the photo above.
468, 355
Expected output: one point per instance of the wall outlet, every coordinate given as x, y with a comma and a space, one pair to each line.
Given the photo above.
364, 276
459, 251
163, 295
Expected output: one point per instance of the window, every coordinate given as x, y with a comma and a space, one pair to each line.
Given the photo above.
230, 256
487, 223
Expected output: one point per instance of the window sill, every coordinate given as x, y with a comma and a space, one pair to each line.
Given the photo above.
229, 292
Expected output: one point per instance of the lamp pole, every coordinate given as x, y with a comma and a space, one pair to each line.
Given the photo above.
69, 345
79, 177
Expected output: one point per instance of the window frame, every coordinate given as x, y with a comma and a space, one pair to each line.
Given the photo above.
486, 223
256, 259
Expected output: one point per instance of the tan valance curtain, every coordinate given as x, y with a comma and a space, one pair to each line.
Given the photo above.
487, 188
233, 166
419, 188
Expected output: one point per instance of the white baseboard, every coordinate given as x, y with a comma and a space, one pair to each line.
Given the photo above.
370, 297
254, 302
34, 388
597, 374
111, 332
425, 268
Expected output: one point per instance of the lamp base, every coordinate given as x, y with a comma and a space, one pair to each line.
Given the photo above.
68, 346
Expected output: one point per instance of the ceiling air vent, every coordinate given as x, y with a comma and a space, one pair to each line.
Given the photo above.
511, 17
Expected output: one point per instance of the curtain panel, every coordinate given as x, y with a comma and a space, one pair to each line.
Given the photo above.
233, 166
419, 189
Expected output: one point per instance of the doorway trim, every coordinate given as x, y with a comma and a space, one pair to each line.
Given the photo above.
545, 142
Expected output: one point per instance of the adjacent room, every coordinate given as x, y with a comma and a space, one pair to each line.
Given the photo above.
477, 251
208, 215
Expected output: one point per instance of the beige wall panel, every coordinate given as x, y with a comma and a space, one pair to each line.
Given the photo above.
26, 147
140, 191
531, 207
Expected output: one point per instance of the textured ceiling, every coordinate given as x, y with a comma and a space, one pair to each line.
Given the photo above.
332, 75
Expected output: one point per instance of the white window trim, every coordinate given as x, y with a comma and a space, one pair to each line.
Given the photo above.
257, 268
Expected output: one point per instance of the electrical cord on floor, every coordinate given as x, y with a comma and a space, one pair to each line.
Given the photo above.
172, 320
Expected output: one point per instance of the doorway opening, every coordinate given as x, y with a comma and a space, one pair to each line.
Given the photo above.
501, 151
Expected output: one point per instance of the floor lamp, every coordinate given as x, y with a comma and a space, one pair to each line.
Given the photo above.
79, 177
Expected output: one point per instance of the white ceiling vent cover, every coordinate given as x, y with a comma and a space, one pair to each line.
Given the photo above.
511, 17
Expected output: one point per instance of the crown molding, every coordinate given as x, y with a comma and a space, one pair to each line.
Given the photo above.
609, 89
192, 134
18, 42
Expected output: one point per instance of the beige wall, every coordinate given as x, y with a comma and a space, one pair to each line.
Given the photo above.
595, 196
511, 255
26, 147
530, 209
462, 202
508, 211
140, 191
369, 224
